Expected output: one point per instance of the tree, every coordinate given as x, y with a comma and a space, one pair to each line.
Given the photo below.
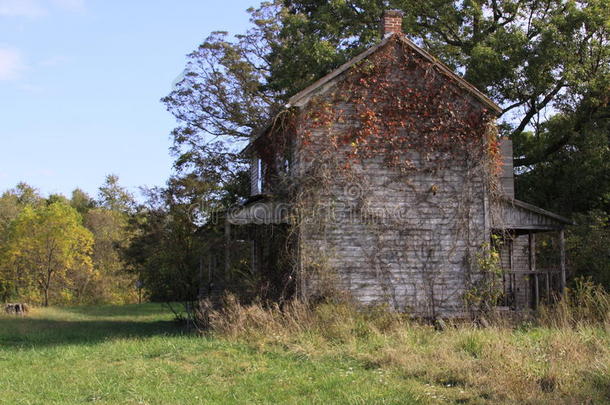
115, 197
164, 251
107, 219
12, 203
9, 209
46, 245
575, 181
57, 198
575, 178
81, 201
112, 283
588, 245
26, 194
221, 100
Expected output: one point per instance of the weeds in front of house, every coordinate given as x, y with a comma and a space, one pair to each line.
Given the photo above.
586, 303
561, 355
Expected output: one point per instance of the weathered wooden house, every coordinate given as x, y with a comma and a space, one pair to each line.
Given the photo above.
385, 179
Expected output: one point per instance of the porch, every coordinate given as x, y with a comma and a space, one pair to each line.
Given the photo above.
531, 244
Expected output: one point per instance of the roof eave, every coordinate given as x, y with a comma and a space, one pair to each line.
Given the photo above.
449, 72
260, 132
302, 97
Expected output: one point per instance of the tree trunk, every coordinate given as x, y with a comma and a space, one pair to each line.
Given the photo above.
47, 287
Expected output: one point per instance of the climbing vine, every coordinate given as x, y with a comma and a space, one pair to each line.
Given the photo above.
393, 125
398, 101
484, 291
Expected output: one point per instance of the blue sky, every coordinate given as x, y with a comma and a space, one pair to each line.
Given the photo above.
80, 83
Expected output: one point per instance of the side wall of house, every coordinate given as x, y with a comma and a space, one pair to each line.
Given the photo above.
402, 238
397, 242
405, 235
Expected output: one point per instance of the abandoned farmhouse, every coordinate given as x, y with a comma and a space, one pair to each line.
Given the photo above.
386, 180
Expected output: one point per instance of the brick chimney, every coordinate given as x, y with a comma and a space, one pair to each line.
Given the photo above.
391, 22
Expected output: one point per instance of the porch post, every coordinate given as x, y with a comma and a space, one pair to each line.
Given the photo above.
536, 291
200, 293
562, 260
227, 248
211, 265
548, 286
254, 250
532, 267
532, 244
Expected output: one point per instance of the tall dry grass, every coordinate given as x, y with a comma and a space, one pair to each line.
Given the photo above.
560, 356
586, 303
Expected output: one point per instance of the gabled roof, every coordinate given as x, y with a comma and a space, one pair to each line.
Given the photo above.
301, 98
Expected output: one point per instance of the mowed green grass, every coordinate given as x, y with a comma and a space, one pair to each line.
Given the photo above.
136, 354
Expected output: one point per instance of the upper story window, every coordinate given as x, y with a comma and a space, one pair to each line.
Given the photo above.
256, 175
264, 177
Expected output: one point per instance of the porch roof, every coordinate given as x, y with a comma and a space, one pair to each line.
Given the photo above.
512, 214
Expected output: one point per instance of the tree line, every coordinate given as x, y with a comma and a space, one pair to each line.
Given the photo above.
60, 250
109, 248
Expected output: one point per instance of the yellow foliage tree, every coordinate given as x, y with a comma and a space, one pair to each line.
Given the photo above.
47, 246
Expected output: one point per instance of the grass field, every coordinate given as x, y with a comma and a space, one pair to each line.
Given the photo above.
137, 355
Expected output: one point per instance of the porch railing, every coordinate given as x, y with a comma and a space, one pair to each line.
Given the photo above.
528, 289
